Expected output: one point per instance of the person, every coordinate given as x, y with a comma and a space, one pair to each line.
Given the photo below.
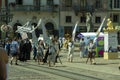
7, 46
82, 48
52, 53
14, 50
70, 51
60, 43
46, 54
21, 48
1, 44
28, 49
3, 63
40, 51
57, 47
34, 52
92, 53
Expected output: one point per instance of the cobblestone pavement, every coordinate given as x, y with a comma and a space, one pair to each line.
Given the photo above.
78, 70
17, 73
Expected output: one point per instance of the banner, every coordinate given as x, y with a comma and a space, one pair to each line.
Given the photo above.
34, 37
99, 30
45, 35
24, 35
74, 31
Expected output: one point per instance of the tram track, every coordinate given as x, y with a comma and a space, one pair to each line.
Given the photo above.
70, 75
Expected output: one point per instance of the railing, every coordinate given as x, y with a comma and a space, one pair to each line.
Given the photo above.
77, 8
33, 8
66, 8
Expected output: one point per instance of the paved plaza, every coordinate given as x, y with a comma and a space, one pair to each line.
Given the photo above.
78, 70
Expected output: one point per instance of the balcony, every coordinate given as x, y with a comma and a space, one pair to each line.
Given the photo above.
82, 9
66, 8
33, 8
76, 7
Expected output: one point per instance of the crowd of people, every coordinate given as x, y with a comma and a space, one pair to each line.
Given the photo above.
19, 49
86, 50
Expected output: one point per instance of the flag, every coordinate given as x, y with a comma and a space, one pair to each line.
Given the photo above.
99, 30
34, 39
26, 24
39, 22
24, 35
74, 31
27, 27
45, 36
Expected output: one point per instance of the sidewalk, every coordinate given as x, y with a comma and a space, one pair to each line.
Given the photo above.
102, 65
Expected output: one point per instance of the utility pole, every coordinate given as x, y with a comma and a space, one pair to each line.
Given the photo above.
59, 19
7, 15
7, 12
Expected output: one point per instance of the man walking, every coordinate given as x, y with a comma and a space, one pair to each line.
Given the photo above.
14, 50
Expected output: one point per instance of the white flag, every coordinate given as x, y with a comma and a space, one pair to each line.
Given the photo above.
24, 35
45, 36
99, 30
74, 31
34, 39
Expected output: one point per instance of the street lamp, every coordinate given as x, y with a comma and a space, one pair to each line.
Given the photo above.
5, 16
59, 18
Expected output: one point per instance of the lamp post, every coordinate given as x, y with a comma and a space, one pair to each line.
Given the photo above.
59, 18
5, 16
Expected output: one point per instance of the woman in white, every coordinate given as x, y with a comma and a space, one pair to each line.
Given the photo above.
70, 51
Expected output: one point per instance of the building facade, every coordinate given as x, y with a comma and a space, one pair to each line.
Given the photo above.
60, 16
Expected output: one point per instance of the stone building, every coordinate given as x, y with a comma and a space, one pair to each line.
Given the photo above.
60, 16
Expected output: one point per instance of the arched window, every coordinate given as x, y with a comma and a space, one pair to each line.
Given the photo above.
19, 2
50, 28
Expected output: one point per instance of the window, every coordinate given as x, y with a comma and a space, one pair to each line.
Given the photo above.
111, 4
82, 3
68, 19
37, 2
49, 2
98, 4
114, 4
97, 19
68, 3
115, 18
82, 19
19, 2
